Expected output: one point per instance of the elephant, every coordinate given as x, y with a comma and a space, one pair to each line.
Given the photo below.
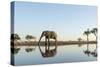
48, 35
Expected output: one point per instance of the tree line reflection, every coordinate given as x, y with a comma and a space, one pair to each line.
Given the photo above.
88, 52
52, 52
28, 49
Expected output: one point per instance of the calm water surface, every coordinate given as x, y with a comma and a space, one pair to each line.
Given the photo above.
69, 53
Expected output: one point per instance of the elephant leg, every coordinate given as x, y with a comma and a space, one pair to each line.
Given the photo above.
46, 44
55, 43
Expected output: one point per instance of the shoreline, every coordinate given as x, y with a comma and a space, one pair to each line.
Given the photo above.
59, 43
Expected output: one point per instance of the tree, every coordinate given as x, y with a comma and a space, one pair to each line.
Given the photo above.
95, 31
15, 37
87, 34
30, 37
79, 39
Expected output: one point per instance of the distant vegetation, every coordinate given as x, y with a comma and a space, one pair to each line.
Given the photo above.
94, 31
15, 37
31, 40
30, 37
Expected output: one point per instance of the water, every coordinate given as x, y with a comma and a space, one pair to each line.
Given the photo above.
69, 53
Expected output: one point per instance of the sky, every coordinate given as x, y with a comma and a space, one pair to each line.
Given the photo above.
68, 21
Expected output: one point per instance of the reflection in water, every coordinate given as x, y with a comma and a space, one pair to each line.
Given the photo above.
94, 53
67, 53
30, 49
88, 52
48, 52
15, 50
79, 45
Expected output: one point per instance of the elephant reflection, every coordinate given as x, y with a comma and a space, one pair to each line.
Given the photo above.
30, 49
48, 35
48, 53
15, 50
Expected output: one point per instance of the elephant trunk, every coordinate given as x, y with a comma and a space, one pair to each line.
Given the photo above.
39, 43
40, 39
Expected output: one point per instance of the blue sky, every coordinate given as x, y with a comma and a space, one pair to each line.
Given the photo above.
69, 21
